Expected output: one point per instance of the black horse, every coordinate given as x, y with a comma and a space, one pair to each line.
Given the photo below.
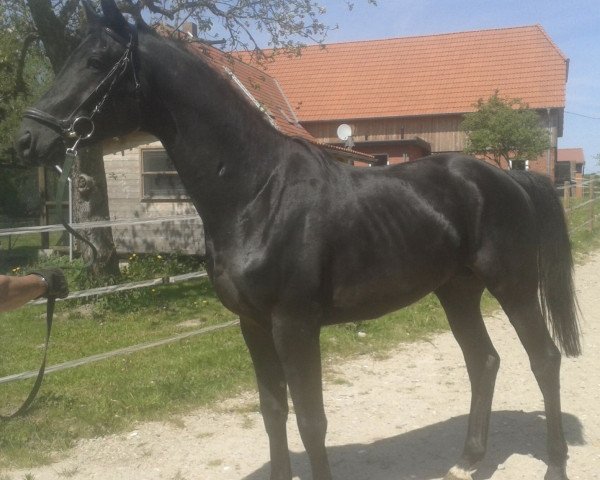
296, 240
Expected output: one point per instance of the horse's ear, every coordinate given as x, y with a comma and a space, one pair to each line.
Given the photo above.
91, 15
114, 17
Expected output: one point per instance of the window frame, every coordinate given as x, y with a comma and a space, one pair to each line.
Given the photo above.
381, 155
175, 197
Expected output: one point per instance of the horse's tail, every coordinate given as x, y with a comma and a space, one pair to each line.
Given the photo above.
555, 262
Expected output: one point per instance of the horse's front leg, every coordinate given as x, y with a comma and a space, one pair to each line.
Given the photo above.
297, 343
272, 390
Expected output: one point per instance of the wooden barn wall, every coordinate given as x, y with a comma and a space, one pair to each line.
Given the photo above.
442, 132
122, 162
396, 153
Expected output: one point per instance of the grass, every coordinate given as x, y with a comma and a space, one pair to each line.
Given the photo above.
582, 238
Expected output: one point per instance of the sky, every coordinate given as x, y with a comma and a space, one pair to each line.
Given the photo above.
573, 25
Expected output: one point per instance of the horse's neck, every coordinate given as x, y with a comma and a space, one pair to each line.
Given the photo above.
222, 147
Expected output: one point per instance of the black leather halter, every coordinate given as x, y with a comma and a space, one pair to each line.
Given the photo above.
79, 124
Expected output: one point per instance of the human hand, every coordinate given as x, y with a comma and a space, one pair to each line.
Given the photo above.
56, 281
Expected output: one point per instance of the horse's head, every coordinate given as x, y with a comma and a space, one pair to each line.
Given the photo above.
94, 96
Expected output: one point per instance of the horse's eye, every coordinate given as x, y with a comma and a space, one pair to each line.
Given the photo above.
95, 63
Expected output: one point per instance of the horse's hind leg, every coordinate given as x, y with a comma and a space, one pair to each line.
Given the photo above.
461, 301
544, 357
272, 390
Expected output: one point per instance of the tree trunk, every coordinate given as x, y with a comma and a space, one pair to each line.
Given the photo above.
52, 32
90, 204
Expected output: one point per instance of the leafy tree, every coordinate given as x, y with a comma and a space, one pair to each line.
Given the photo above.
24, 73
243, 24
504, 130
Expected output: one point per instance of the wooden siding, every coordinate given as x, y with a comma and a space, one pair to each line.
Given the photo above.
442, 132
122, 162
396, 153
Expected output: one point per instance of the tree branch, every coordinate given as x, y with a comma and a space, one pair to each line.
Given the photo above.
69, 8
52, 32
20, 86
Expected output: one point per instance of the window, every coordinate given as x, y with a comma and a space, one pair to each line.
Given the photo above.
380, 160
519, 164
160, 180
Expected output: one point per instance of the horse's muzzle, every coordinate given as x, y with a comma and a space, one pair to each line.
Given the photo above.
37, 146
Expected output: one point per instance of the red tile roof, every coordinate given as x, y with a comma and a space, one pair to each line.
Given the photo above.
259, 88
426, 75
265, 93
570, 155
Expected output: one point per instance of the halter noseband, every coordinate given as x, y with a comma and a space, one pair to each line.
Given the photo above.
78, 125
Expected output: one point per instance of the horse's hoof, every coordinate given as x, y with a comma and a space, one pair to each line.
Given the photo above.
458, 473
556, 473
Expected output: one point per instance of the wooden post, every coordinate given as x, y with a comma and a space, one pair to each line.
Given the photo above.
579, 185
592, 196
45, 237
566, 196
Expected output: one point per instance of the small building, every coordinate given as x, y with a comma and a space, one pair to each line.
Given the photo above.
570, 168
570, 163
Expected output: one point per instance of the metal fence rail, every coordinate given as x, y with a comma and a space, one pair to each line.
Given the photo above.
118, 352
125, 350
94, 292
4, 232
588, 191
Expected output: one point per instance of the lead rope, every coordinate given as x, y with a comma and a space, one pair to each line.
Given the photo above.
71, 155
40, 376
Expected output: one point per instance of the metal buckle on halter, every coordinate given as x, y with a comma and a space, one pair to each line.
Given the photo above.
82, 128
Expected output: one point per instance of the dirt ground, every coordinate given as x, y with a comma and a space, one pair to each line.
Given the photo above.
400, 418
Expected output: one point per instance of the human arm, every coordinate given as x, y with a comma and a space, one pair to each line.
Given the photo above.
16, 291
46, 282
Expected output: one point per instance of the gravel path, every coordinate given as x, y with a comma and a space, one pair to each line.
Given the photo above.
400, 418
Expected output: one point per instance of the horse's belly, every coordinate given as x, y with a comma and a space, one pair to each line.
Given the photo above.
367, 301
380, 287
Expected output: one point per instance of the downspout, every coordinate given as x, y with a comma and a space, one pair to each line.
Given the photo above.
548, 152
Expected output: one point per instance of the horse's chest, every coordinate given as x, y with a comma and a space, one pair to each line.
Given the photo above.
243, 288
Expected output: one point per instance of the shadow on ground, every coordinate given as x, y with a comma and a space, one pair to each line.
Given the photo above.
427, 453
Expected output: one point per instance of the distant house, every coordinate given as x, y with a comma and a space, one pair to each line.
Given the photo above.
570, 162
570, 168
405, 96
